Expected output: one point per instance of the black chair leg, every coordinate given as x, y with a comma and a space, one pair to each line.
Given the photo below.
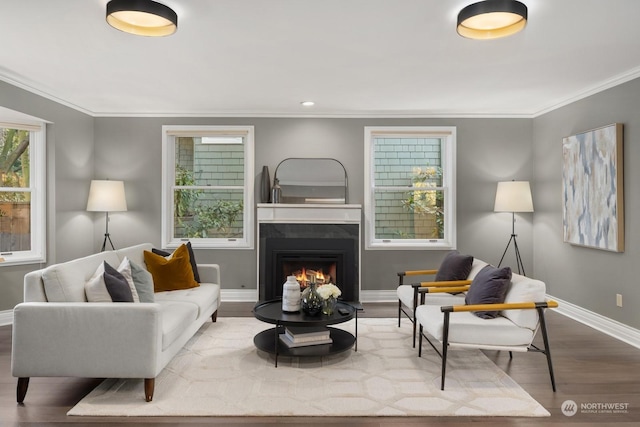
547, 351
420, 343
445, 345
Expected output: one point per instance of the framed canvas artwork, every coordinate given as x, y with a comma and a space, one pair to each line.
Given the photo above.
592, 188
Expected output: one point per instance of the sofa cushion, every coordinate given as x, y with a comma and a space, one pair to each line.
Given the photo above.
143, 282
65, 282
489, 287
176, 317
454, 266
134, 253
96, 288
173, 273
117, 285
125, 269
202, 296
465, 328
192, 259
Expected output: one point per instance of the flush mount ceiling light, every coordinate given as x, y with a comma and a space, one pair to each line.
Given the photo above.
307, 103
492, 19
142, 17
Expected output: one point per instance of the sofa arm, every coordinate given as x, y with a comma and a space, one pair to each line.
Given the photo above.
209, 273
94, 340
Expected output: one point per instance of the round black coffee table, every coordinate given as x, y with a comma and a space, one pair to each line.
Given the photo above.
269, 340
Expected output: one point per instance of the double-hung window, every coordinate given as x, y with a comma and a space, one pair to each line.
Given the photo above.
410, 187
22, 193
208, 186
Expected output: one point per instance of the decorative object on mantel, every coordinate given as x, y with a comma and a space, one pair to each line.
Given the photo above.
291, 295
311, 301
265, 185
312, 181
276, 191
329, 294
592, 188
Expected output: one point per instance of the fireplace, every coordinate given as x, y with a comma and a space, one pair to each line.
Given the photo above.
330, 249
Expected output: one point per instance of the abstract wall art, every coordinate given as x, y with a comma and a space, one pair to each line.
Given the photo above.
592, 188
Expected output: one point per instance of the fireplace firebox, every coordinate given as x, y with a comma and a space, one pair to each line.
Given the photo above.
294, 249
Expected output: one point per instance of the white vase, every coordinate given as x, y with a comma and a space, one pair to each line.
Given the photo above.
291, 295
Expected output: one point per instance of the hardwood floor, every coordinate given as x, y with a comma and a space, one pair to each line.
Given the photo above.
590, 368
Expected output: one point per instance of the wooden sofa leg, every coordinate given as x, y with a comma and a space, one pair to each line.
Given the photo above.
21, 389
214, 316
149, 385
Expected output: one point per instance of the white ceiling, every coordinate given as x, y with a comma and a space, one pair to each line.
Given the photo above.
352, 57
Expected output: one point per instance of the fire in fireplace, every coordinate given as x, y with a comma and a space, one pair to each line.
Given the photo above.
326, 250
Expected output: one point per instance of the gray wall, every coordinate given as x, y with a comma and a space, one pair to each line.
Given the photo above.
589, 278
489, 150
69, 171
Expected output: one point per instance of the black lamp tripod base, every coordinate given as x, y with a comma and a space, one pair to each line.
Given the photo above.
107, 237
515, 244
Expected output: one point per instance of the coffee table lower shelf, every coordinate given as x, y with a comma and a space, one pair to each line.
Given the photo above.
266, 341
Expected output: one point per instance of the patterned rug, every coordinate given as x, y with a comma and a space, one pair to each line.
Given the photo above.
221, 373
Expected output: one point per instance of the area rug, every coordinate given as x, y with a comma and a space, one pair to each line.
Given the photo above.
221, 373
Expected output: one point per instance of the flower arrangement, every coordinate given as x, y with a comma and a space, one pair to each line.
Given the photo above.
329, 290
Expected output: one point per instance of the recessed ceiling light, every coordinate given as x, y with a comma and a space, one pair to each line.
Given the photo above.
307, 103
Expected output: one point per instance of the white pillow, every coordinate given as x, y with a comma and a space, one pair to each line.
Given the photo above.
95, 288
125, 269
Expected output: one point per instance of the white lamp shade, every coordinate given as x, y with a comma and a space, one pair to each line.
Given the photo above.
513, 196
106, 196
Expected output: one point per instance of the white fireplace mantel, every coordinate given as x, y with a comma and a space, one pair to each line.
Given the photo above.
309, 213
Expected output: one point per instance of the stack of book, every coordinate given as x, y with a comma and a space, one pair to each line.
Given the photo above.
305, 336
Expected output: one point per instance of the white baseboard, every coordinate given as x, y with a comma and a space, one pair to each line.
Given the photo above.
6, 317
598, 322
239, 295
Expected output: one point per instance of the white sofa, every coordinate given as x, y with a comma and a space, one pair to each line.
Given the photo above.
57, 333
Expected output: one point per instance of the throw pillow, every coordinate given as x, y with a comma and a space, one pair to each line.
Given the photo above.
143, 281
455, 266
125, 269
117, 285
95, 288
173, 273
192, 259
489, 287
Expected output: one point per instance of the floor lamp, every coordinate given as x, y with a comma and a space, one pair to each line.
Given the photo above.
513, 196
106, 196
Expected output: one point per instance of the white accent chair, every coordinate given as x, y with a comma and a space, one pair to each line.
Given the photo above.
514, 329
410, 296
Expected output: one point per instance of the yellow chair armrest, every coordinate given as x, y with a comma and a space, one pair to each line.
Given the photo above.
500, 307
417, 272
450, 289
443, 283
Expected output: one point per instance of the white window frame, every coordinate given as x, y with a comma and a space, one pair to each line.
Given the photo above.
37, 188
169, 134
448, 162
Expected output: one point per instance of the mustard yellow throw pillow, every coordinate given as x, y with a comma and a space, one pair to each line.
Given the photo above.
173, 273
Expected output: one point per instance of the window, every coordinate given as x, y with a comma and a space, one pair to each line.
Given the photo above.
410, 187
22, 193
208, 186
